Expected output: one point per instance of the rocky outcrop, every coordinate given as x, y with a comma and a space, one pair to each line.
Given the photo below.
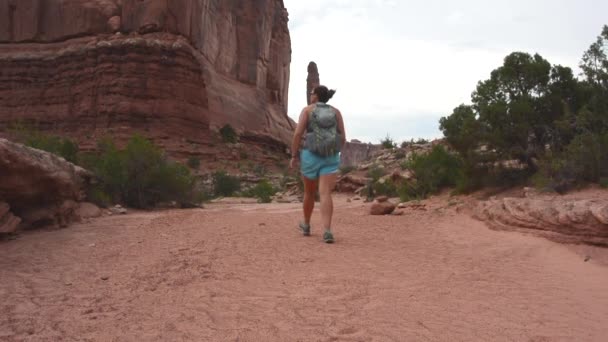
563, 220
173, 70
40, 188
8, 221
355, 153
312, 80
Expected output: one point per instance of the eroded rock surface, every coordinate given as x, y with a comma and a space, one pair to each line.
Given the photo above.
173, 70
561, 219
39, 187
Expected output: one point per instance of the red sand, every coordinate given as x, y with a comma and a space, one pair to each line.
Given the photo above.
243, 273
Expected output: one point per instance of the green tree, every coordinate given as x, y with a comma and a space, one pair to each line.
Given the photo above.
462, 129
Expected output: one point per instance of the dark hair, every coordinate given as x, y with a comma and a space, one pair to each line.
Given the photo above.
323, 93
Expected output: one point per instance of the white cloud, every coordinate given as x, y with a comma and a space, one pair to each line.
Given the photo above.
399, 66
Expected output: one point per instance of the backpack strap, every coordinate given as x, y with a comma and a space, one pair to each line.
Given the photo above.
311, 117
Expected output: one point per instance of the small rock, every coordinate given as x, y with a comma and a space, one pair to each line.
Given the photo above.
382, 199
398, 213
382, 208
348, 200
118, 210
356, 198
92, 245
587, 258
67, 284
114, 23
105, 278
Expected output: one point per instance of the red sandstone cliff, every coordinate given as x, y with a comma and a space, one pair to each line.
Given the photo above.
175, 70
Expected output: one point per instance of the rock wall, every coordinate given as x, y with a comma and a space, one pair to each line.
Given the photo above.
354, 153
173, 70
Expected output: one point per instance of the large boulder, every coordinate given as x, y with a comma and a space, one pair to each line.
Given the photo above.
41, 188
382, 206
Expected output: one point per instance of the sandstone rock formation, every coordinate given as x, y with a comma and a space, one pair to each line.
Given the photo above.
174, 70
39, 187
8, 221
355, 153
564, 220
312, 81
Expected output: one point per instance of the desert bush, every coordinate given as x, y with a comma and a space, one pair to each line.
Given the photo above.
375, 172
584, 160
228, 134
140, 175
61, 146
433, 171
263, 191
225, 184
388, 142
386, 188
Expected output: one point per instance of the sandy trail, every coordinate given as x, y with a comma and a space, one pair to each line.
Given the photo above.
243, 273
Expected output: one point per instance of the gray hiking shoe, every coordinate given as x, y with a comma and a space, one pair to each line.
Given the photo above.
328, 237
305, 228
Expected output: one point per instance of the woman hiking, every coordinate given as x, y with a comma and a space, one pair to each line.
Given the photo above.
322, 127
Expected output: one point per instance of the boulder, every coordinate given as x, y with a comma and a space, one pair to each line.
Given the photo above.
41, 188
382, 208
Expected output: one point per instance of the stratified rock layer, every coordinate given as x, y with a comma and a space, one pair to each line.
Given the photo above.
173, 70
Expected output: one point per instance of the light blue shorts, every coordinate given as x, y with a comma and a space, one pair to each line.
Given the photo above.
312, 166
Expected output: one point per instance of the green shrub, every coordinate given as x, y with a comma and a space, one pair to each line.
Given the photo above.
225, 184
140, 176
584, 160
263, 191
375, 172
228, 134
407, 192
386, 188
194, 163
388, 143
422, 141
433, 171
63, 147
604, 182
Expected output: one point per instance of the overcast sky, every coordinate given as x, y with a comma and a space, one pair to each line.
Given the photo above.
400, 65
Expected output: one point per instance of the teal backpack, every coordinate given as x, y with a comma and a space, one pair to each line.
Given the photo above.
322, 136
